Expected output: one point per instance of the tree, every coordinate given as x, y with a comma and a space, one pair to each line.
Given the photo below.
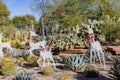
70, 12
4, 13
24, 21
43, 7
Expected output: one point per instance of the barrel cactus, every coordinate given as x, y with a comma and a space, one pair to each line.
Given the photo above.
25, 76
75, 62
48, 70
91, 71
67, 78
7, 66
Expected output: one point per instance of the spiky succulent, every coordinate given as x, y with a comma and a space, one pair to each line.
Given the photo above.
91, 71
17, 53
24, 75
108, 55
115, 70
75, 62
57, 59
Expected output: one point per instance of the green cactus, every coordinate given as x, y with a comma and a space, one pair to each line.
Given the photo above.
91, 71
75, 62
115, 70
8, 70
48, 70
108, 55
57, 59
25, 76
7, 66
17, 53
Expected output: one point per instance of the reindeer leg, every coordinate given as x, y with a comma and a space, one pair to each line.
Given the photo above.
31, 54
94, 57
38, 61
53, 62
99, 58
44, 63
90, 56
103, 58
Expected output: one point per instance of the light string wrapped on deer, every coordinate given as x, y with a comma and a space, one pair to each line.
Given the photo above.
95, 48
44, 53
4, 45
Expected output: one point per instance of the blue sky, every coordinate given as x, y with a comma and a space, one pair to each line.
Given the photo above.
19, 8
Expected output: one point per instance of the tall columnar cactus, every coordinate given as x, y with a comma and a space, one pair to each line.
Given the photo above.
25, 76
75, 62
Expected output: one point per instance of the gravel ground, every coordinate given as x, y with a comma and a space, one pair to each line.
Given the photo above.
57, 74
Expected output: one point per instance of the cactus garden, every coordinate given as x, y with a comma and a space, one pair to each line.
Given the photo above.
68, 40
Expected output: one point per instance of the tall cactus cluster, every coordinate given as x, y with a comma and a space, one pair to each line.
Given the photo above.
7, 66
75, 62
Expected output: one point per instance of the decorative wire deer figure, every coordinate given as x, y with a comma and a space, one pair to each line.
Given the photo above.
4, 45
32, 35
95, 48
45, 54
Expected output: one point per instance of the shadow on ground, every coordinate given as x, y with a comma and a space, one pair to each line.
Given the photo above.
81, 76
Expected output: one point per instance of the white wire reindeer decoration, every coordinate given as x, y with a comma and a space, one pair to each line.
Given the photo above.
4, 45
32, 35
45, 54
95, 48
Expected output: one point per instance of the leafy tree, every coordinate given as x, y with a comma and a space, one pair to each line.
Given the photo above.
43, 7
23, 21
4, 13
75, 12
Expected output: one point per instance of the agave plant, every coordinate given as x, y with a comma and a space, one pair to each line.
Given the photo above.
108, 55
17, 53
25, 76
115, 70
75, 62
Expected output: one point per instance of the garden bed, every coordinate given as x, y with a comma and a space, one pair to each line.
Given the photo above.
59, 73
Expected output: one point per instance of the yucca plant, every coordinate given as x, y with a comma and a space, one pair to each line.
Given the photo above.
75, 62
24, 75
115, 70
